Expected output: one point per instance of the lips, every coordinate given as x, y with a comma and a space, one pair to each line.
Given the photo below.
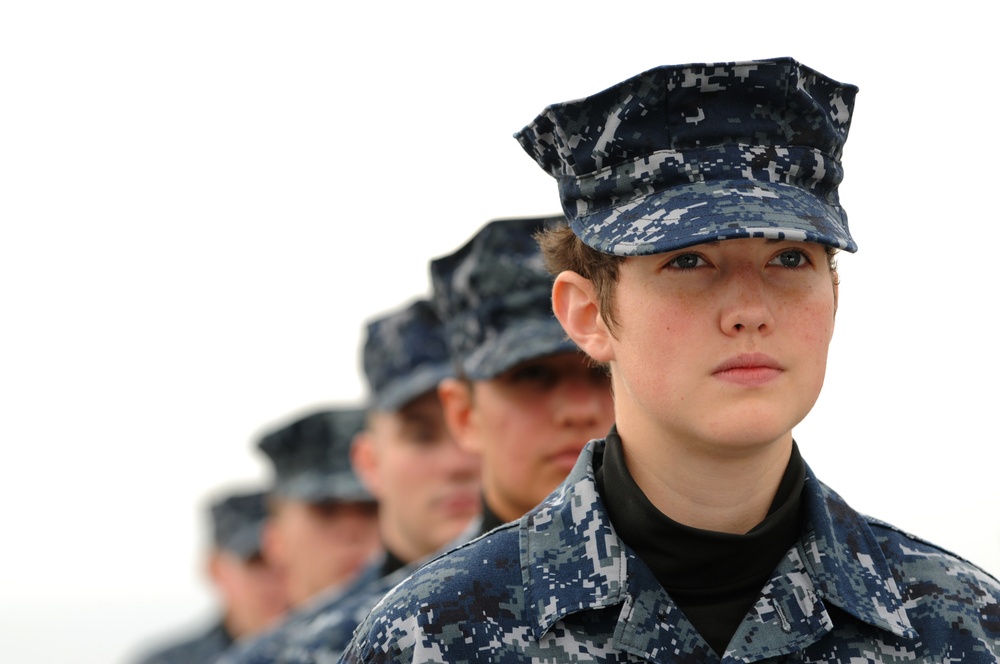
749, 369
566, 457
465, 502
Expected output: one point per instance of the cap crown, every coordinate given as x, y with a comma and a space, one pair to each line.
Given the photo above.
494, 296
237, 521
405, 355
680, 155
311, 456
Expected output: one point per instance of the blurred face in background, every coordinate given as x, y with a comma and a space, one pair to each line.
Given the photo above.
251, 591
529, 425
427, 486
316, 546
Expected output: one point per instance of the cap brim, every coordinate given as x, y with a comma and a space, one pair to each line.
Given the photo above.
400, 392
246, 542
684, 216
524, 340
315, 487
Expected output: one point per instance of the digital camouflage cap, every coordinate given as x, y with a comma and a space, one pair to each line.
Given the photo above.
311, 457
237, 522
495, 298
405, 355
685, 154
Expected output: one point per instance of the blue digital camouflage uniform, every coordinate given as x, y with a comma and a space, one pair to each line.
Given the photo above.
201, 649
321, 633
404, 356
311, 459
237, 520
560, 586
674, 157
271, 645
493, 295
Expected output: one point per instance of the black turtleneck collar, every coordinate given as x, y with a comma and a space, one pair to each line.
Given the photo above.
715, 578
391, 563
490, 519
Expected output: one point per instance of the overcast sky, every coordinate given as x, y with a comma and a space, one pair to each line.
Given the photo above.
202, 202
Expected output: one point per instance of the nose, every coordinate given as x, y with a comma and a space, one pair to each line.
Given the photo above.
746, 307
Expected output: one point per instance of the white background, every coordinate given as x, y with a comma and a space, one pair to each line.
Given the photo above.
202, 202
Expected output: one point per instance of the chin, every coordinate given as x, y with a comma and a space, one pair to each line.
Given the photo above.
752, 432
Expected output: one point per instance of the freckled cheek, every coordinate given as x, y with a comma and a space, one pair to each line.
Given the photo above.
668, 332
813, 327
656, 351
811, 314
815, 330
824, 317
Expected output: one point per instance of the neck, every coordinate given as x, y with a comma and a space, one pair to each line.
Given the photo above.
394, 543
722, 488
236, 626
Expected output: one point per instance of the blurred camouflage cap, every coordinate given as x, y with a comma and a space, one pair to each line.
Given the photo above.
311, 457
495, 298
681, 155
237, 522
405, 355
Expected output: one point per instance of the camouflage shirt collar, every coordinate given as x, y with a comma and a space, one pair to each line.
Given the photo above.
836, 559
845, 562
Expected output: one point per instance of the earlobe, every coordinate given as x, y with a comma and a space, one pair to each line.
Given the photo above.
456, 402
271, 544
575, 304
213, 567
220, 573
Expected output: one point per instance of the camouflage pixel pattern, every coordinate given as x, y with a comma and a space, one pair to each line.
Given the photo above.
324, 638
495, 298
237, 521
404, 355
270, 646
560, 586
686, 154
311, 457
204, 648
322, 632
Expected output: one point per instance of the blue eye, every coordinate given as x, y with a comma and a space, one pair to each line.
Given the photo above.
791, 258
686, 261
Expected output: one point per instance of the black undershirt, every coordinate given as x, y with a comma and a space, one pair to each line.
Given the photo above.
391, 563
715, 578
490, 519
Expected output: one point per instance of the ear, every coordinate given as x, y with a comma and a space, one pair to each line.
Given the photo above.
574, 302
456, 401
220, 575
272, 543
364, 459
213, 567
